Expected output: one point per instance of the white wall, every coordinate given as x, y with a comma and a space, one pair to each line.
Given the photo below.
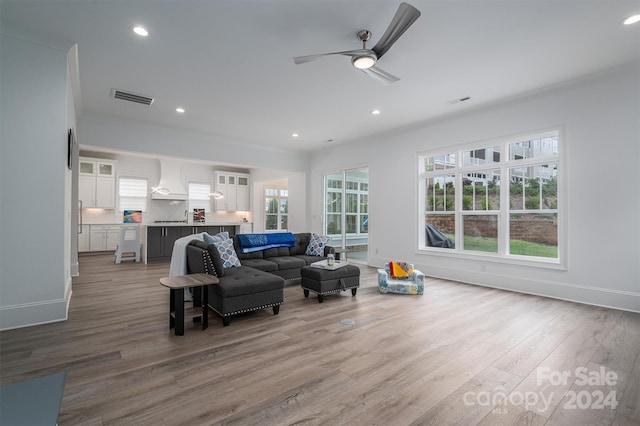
34, 179
602, 139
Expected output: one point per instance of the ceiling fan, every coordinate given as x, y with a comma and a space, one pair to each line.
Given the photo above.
365, 59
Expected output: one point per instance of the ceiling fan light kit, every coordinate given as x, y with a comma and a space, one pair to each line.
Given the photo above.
364, 62
366, 59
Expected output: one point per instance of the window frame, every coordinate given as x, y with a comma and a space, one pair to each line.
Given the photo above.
504, 166
281, 194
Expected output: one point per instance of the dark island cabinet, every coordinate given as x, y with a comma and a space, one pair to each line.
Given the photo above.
160, 241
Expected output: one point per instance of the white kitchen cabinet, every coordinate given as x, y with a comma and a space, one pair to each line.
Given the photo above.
235, 190
97, 167
242, 193
104, 237
83, 238
97, 183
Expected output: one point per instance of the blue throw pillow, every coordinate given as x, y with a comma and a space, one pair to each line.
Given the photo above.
227, 253
316, 245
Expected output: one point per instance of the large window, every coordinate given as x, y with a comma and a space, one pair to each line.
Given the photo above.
132, 193
199, 196
498, 199
276, 215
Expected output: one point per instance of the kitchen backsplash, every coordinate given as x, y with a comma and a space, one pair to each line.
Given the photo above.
162, 210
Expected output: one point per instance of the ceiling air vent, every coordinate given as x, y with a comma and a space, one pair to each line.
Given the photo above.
132, 97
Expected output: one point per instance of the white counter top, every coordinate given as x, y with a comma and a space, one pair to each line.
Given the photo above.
192, 224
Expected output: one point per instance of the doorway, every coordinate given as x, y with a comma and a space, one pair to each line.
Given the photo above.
346, 212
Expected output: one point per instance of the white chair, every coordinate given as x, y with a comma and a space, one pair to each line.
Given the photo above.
129, 244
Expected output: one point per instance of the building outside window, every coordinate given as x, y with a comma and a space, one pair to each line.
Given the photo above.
276, 202
499, 199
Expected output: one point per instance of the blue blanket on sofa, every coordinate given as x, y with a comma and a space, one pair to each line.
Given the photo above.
256, 242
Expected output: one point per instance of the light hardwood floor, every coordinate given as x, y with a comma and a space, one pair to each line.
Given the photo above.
459, 354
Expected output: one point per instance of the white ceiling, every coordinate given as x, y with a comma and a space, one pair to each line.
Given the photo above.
229, 63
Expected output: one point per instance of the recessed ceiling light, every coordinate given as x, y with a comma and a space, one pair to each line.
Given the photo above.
141, 31
631, 19
180, 110
375, 112
295, 135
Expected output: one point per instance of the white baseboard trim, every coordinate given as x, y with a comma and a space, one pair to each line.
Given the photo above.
589, 295
29, 314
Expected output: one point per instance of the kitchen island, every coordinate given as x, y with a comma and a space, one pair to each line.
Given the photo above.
158, 238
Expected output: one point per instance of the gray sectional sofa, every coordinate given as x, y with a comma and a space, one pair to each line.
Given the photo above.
258, 283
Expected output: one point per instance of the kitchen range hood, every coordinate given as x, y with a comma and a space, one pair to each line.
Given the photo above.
170, 186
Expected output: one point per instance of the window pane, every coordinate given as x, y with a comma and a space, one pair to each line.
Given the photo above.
334, 203
351, 223
271, 222
352, 203
271, 206
440, 193
542, 147
440, 230
334, 183
364, 203
364, 224
481, 156
334, 224
480, 232
481, 191
284, 205
270, 192
534, 188
352, 185
533, 234
284, 224
439, 162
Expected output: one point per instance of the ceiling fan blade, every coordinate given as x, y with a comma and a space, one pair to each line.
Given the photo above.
403, 19
304, 59
380, 76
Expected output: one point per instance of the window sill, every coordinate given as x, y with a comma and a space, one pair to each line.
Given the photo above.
541, 263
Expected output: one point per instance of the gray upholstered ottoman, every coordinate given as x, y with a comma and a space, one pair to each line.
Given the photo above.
324, 281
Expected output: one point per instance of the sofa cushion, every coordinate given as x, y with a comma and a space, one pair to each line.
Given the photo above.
288, 262
302, 241
262, 264
244, 280
276, 252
